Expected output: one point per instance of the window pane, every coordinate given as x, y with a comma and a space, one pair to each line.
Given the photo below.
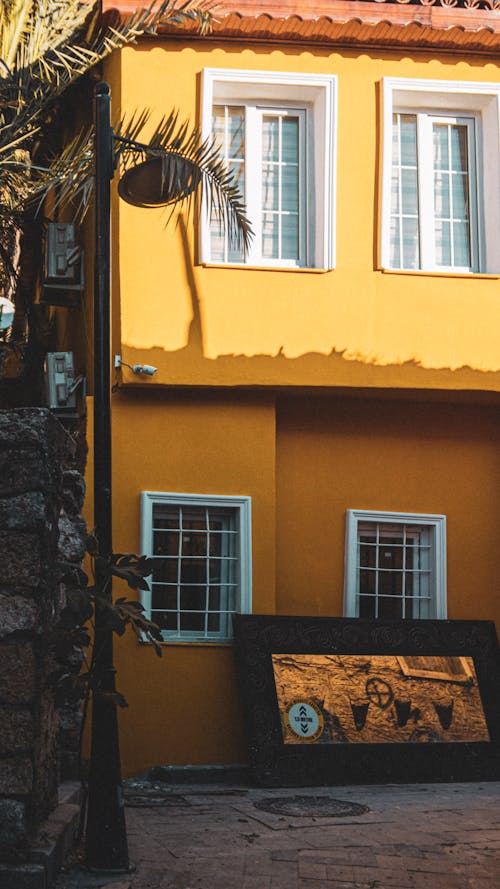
165, 570
270, 139
390, 607
459, 148
461, 245
290, 140
236, 133
228, 127
367, 582
270, 236
165, 621
367, 607
390, 583
219, 126
290, 236
193, 571
395, 255
442, 195
441, 154
411, 258
290, 188
408, 129
193, 598
443, 242
409, 192
165, 543
460, 193
192, 623
367, 555
404, 235
270, 187
164, 597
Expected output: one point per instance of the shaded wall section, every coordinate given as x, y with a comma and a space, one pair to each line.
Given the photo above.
184, 707
336, 454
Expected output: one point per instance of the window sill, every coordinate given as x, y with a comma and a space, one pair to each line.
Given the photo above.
265, 268
436, 274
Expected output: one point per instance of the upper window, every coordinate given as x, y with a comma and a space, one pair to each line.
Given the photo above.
276, 132
440, 196
395, 565
200, 547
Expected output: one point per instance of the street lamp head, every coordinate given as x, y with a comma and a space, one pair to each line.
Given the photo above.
158, 182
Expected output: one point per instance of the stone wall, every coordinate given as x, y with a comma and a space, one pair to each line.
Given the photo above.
41, 496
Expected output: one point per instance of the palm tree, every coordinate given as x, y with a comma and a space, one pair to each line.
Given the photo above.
46, 46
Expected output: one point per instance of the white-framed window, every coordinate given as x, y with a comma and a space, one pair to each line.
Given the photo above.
201, 549
277, 133
440, 176
395, 565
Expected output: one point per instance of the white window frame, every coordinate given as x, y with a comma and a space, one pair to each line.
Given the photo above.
436, 525
445, 98
316, 96
243, 507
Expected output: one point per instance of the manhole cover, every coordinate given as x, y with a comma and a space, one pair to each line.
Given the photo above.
310, 806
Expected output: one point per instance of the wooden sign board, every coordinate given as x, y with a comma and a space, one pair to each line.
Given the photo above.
331, 700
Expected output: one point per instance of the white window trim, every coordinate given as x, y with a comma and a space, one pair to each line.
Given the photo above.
463, 98
244, 506
435, 522
319, 93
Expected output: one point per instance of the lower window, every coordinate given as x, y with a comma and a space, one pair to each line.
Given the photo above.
395, 565
201, 551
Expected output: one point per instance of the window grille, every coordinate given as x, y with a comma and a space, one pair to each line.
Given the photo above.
200, 557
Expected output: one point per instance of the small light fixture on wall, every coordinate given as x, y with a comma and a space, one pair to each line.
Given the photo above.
147, 369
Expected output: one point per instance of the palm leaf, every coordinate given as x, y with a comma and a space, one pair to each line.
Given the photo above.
189, 163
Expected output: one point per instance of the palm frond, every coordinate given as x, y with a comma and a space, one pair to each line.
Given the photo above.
189, 161
188, 164
48, 44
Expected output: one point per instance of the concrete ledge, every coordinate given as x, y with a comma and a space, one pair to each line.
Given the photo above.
205, 774
52, 842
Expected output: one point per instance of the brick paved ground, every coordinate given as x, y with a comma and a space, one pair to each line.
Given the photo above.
214, 837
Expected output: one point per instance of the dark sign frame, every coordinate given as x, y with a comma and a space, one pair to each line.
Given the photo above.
276, 763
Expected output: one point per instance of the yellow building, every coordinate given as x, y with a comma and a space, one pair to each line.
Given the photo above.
322, 433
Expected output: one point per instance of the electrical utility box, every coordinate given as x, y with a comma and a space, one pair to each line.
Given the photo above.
64, 392
63, 274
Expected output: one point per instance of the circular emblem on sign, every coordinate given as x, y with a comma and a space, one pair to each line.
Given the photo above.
304, 720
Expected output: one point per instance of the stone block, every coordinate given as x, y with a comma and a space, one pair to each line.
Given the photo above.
21, 560
17, 672
24, 512
29, 426
17, 614
13, 826
24, 470
73, 494
16, 776
72, 538
16, 730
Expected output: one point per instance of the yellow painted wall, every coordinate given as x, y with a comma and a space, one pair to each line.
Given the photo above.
394, 456
353, 326
316, 456
184, 707
303, 466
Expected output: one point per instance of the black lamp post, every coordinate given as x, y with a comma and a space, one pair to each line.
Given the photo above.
106, 845
153, 183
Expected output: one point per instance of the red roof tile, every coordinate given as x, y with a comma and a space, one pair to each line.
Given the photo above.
474, 25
